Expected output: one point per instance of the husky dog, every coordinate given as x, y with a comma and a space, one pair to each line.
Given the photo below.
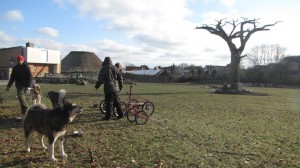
50, 123
36, 94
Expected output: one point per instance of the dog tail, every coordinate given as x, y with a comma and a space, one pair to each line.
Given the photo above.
62, 94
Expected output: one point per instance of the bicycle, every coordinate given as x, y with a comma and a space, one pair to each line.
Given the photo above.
103, 108
134, 114
147, 106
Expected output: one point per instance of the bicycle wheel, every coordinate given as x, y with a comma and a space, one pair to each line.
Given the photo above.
141, 117
102, 106
123, 107
148, 107
131, 113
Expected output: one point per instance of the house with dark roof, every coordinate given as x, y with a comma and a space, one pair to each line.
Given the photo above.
133, 68
216, 71
292, 62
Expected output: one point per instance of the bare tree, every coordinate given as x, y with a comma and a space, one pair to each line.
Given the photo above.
265, 54
241, 30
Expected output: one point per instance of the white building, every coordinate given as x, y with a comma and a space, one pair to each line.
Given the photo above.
41, 61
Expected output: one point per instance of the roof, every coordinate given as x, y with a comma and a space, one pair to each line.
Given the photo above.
81, 61
292, 59
144, 72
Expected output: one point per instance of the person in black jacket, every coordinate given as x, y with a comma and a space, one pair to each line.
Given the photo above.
22, 77
112, 79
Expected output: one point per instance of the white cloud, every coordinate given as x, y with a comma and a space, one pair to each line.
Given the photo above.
48, 31
60, 3
155, 26
228, 3
161, 32
14, 15
6, 39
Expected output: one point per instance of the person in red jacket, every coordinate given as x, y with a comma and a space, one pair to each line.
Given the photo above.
22, 77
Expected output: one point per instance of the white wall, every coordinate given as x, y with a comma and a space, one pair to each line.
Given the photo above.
41, 55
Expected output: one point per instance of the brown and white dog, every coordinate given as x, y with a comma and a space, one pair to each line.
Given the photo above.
36, 94
51, 123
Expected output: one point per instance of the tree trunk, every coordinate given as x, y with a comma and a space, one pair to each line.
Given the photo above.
235, 71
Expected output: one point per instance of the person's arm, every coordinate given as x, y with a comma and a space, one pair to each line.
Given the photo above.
120, 80
100, 80
28, 77
11, 80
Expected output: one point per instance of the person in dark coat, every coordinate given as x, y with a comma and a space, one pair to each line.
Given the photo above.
112, 79
22, 77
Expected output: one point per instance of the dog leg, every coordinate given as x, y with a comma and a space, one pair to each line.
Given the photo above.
51, 151
27, 148
51, 140
41, 137
27, 137
39, 99
61, 147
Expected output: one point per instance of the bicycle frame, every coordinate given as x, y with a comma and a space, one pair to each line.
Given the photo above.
132, 97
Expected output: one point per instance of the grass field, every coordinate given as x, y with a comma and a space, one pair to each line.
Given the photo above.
190, 128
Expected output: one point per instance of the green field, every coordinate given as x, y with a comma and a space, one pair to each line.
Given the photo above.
190, 127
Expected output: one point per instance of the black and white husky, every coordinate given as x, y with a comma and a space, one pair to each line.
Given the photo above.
50, 123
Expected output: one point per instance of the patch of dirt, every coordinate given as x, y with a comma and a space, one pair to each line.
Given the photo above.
238, 92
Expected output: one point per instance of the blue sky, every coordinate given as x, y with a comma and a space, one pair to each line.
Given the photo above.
144, 32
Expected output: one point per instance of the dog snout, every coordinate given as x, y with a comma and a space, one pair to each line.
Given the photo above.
80, 109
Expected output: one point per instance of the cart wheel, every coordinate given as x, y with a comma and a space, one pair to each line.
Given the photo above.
131, 113
141, 117
123, 107
102, 106
148, 107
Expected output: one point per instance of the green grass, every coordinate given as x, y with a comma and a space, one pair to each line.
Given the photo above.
190, 128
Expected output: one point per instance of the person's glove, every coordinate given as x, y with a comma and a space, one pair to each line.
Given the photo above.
27, 91
7, 89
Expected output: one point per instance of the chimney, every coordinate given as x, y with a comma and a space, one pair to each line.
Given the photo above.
29, 44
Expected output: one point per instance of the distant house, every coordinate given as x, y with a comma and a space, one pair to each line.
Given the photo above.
216, 71
133, 68
173, 71
40, 60
293, 62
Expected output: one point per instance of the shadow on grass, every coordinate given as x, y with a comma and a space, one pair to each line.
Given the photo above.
8, 123
78, 94
21, 158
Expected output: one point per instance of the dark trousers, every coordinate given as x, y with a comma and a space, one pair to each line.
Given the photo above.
22, 100
112, 100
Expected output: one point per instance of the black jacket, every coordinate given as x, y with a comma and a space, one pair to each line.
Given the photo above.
21, 75
109, 76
